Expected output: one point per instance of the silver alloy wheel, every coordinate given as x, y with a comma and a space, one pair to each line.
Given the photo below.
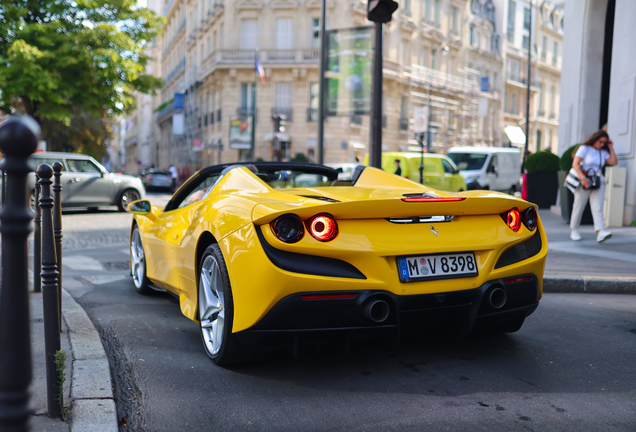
211, 305
138, 259
127, 197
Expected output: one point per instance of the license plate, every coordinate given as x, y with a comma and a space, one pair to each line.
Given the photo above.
438, 266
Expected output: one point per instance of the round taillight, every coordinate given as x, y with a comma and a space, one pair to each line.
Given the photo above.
288, 228
322, 227
530, 218
513, 219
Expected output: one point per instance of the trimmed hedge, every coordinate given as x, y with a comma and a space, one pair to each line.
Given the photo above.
543, 161
567, 159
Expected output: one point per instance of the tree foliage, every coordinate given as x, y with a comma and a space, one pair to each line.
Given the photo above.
74, 62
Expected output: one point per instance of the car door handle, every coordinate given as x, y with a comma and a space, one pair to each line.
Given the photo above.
74, 180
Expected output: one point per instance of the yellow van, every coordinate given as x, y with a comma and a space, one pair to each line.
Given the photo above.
440, 172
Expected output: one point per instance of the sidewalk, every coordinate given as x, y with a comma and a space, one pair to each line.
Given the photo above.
571, 267
588, 266
88, 382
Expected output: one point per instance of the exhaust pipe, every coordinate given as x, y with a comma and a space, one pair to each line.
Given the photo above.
497, 298
377, 311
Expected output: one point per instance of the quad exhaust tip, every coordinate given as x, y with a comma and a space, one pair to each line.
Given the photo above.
497, 298
377, 311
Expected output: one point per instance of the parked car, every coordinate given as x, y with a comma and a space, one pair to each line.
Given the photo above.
86, 183
261, 261
440, 172
493, 168
156, 180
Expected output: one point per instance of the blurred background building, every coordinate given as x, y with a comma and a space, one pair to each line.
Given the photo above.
463, 59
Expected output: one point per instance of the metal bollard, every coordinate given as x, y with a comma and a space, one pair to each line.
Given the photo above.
37, 240
18, 140
49, 293
57, 229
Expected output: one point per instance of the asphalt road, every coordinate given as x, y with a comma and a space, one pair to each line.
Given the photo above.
570, 368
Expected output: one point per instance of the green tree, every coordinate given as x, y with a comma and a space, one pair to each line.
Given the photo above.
74, 63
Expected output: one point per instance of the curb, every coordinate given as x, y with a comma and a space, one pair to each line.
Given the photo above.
589, 285
91, 389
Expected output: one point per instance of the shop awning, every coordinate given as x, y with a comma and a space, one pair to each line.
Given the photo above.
515, 135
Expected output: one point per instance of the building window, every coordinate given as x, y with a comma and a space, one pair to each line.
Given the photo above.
510, 31
525, 43
407, 7
426, 10
454, 19
555, 53
283, 100
526, 18
424, 59
249, 34
312, 114
513, 103
246, 98
544, 48
538, 139
284, 34
433, 58
404, 48
437, 11
315, 33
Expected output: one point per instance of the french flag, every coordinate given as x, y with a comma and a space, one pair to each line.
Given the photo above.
259, 68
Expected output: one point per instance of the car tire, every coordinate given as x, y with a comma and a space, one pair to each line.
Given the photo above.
511, 326
126, 197
215, 310
138, 263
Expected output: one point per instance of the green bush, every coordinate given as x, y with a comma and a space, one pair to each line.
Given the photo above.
567, 158
543, 161
300, 157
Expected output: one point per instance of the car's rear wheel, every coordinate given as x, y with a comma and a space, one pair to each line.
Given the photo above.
138, 263
216, 310
127, 196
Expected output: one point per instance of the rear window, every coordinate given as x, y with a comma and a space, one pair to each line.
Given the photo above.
468, 161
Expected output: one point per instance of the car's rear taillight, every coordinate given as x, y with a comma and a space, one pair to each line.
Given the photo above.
288, 228
513, 219
529, 217
322, 227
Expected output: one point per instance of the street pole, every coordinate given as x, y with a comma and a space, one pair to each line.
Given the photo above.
18, 140
525, 152
253, 143
322, 90
375, 136
421, 157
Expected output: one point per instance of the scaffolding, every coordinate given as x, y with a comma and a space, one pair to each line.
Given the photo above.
453, 104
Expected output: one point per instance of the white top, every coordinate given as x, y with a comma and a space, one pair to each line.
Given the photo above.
173, 171
592, 158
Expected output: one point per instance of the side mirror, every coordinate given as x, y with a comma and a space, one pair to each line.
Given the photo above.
140, 207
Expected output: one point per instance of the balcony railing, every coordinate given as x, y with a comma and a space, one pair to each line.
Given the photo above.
269, 56
288, 113
541, 113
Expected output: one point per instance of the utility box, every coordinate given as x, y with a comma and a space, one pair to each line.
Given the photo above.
614, 205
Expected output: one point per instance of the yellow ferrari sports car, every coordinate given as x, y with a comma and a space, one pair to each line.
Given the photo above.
267, 254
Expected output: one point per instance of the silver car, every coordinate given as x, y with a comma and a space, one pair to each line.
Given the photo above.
86, 183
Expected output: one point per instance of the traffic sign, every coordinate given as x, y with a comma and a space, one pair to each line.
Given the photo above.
420, 120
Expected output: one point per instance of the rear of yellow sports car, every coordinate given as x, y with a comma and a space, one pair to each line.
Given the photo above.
369, 259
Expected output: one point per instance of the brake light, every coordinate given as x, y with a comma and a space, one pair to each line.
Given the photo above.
513, 219
288, 228
428, 199
322, 227
529, 217
517, 280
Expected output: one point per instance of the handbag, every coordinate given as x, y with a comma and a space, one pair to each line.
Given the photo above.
595, 179
572, 181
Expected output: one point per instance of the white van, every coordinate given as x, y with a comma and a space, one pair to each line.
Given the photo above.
494, 168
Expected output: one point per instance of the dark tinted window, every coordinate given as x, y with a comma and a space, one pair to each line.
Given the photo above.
468, 161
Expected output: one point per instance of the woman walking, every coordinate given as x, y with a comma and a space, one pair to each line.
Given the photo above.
589, 159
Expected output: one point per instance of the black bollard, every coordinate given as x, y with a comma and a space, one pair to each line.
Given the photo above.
49, 294
18, 140
57, 229
37, 241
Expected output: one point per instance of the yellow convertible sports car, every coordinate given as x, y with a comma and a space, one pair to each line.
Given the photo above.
269, 254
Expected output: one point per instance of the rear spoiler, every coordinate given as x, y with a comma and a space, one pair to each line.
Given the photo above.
474, 204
